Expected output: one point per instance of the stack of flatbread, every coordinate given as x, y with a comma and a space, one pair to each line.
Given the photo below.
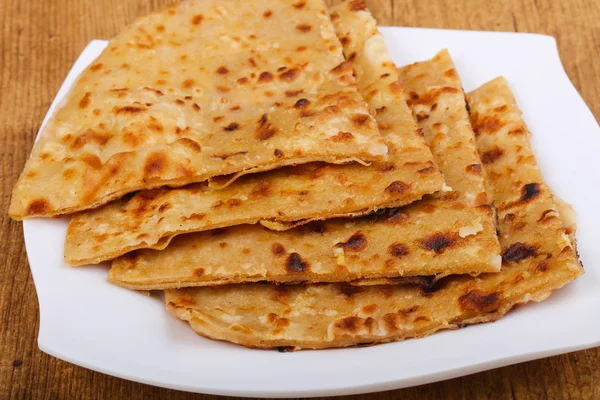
269, 167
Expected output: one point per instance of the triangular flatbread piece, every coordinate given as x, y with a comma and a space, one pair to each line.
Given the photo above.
538, 257
450, 233
285, 197
200, 89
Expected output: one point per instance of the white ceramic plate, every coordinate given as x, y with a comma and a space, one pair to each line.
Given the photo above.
89, 322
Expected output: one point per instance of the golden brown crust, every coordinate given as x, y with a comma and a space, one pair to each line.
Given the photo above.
190, 92
452, 232
282, 198
539, 257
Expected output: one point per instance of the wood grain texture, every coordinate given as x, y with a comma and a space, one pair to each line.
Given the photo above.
40, 39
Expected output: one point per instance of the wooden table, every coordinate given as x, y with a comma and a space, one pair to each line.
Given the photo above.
40, 40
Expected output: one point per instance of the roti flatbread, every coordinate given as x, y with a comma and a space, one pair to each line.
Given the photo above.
197, 90
285, 197
450, 233
538, 257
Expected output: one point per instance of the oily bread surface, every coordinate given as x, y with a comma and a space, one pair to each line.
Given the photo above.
199, 89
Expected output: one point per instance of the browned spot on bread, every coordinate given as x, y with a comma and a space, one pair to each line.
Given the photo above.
357, 5
304, 28
429, 170
135, 109
490, 156
188, 83
293, 93
295, 263
543, 266
386, 167
261, 191
299, 4
302, 103
96, 67
360, 119
222, 245
397, 187
39, 206
370, 308
479, 301
193, 217
474, 168
155, 125
501, 108
396, 218
350, 291
438, 242
265, 130
242, 81
421, 116
232, 203
397, 249
156, 164
164, 207
357, 242
547, 214
68, 173
430, 97
342, 137
90, 135
197, 19
85, 101
343, 67
278, 153
518, 226
191, 144
519, 251
226, 156
267, 13
345, 40
290, 75
92, 160
509, 217
529, 192
222, 70
516, 131
231, 127
408, 311
155, 91
489, 124
199, 271
277, 249
349, 324
428, 208
451, 73
180, 102
391, 322
265, 77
